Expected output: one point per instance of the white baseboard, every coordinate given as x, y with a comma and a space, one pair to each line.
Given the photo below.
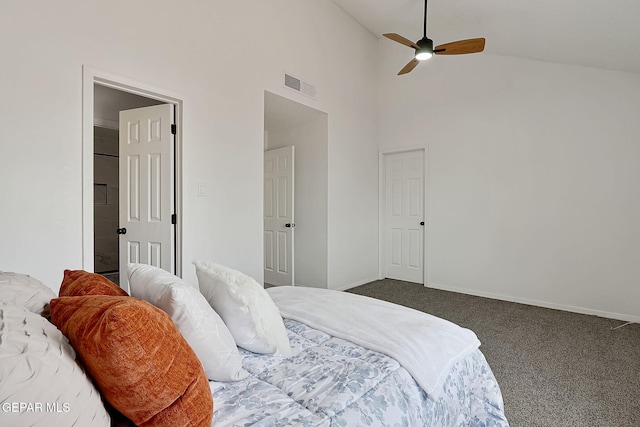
545, 304
353, 285
309, 285
339, 288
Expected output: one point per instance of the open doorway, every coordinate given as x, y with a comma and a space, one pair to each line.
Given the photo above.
104, 97
288, 123
108, 102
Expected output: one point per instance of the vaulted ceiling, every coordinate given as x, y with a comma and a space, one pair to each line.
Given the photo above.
593, 33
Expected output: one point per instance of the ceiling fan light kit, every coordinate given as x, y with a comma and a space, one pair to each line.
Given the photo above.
424, 47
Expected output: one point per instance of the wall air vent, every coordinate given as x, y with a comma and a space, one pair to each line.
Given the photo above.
298, 85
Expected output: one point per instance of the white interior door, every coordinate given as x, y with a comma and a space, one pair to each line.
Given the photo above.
279, 216
404, 207
146, 188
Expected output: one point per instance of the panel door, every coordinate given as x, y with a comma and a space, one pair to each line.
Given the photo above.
146, 188
404, 211
279, 216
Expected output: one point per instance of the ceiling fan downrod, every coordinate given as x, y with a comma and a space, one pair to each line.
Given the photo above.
425, 44
424, 34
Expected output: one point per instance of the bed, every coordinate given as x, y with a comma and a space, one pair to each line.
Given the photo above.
331, 381
326, 358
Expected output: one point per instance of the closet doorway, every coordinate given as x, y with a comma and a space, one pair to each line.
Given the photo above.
288, 123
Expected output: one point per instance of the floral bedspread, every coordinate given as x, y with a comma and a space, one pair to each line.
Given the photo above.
332, 382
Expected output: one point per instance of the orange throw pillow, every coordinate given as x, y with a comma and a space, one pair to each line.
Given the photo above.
77, 283
137, 358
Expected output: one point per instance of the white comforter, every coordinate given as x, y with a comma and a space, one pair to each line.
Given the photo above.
426, 346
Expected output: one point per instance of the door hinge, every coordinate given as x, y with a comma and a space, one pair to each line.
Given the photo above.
174, 218
174, 129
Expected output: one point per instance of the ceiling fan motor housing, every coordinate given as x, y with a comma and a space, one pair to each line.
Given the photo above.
425, 48
425, 43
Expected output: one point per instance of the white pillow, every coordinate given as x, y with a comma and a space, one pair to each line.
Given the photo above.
203, 329
246, 308
39, 369
24, 291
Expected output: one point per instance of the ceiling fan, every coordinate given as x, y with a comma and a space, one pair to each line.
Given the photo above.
425, 50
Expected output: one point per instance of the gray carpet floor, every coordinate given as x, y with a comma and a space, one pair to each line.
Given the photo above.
554, 368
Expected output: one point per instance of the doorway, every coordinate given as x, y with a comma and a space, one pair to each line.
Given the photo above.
291, 123
402, 213
108, 103
104, 96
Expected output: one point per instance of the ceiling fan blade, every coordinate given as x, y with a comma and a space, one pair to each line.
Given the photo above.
409, 67
402, 40
460, 47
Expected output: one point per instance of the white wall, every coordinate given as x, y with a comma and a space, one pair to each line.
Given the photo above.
219, 57
533, 188
353, 184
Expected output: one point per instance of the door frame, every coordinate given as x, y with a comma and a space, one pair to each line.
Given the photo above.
382, 200
90, 77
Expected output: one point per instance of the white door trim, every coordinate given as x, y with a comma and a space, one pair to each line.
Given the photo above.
90, 77
382, 206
